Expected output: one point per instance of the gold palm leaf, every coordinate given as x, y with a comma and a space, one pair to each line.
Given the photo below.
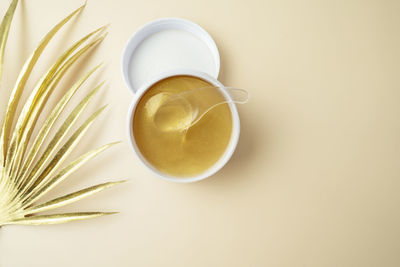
26, 173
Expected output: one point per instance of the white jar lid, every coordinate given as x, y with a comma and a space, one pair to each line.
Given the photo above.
165, 45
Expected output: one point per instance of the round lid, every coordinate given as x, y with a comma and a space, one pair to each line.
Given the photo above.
165, 45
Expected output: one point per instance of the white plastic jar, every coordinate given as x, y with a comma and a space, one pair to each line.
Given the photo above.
173, 47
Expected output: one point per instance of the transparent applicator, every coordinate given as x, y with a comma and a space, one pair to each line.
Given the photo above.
179, 112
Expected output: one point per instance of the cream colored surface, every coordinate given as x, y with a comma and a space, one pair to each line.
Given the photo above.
315, 180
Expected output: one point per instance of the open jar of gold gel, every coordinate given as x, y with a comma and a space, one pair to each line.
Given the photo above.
163, 59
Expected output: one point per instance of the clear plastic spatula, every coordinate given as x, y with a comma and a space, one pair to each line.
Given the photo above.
179, 112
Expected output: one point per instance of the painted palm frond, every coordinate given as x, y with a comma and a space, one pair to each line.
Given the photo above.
29, 169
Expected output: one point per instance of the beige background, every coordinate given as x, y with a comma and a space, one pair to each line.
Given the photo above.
315, 178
